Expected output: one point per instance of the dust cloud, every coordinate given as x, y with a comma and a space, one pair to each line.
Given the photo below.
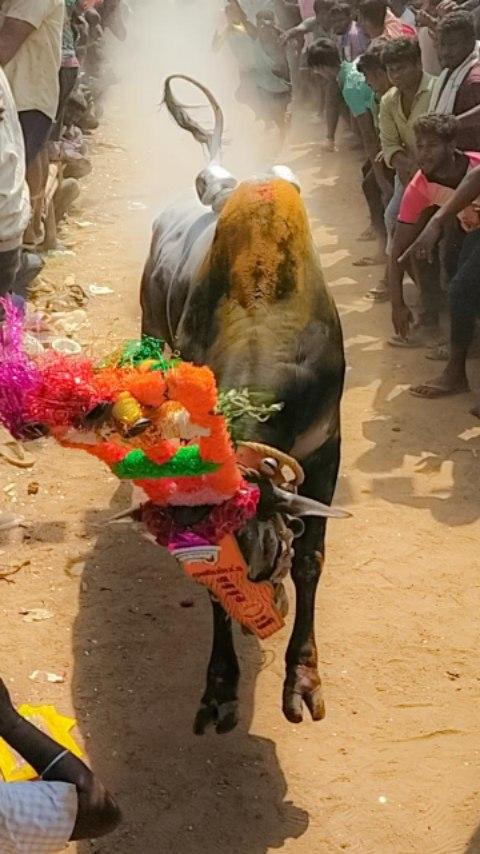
175, 36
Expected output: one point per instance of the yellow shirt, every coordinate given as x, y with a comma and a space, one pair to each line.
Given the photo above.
396, 130
33, 71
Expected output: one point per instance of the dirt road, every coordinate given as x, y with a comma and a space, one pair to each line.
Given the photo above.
395, 766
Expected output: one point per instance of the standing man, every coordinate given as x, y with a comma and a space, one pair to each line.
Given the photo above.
400, 107
457, 89
30, 53
14, 201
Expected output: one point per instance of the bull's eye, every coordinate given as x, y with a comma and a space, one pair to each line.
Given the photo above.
139, 427
98, 413
32, 431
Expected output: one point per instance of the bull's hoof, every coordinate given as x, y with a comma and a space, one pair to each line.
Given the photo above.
223, 717
303, 685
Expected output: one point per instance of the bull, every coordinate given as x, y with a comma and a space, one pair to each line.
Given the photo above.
233, 281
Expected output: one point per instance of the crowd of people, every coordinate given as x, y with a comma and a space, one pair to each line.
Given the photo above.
53, 75
406, 81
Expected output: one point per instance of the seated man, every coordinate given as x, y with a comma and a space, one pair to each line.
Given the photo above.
442, 169
324, 59
67, 803
464, 292
457, 89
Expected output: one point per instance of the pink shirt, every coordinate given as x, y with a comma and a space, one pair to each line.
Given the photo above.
422, 194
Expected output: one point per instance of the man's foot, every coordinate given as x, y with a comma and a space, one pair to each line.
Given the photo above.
328, 145
440, 353
367, 235
369, 261
475, 410
443, 386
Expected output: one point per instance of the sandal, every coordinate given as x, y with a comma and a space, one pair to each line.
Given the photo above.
368, 261
14, 453
411, 343
377, 295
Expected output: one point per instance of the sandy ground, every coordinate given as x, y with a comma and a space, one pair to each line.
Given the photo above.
395, 765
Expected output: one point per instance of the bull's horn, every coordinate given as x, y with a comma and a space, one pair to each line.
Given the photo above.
132, 514
300, 505
214, 184
286, 174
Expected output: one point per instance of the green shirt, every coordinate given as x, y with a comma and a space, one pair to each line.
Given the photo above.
356, 92
396, 130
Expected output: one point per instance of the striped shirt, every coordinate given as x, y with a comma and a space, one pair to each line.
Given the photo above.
36, 818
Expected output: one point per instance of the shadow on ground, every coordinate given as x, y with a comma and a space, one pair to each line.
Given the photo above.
140, 660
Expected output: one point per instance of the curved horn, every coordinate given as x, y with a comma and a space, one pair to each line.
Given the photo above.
211, 139
286, 174
300, 505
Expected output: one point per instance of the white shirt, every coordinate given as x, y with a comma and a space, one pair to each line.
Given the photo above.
14, 197
36, 818
33, 71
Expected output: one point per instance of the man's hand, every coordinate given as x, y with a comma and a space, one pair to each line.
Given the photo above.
406, 170
401, 318
290, 34
445, 7
8, 715
423, 247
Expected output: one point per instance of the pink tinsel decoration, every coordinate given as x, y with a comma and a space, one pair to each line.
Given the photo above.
19, 376
66, 391
226, 518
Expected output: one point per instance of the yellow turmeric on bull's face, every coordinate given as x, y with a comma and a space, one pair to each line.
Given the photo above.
263, 242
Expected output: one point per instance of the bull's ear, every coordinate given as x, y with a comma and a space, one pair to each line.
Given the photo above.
286, 174
300, 505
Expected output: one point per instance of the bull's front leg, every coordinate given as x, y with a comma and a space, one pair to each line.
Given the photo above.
220, 700
303, 683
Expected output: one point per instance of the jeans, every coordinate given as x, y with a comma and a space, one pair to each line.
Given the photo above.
9, 266
36, 127
464, 292
392, 209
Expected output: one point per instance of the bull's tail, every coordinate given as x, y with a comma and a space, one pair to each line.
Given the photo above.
212, 139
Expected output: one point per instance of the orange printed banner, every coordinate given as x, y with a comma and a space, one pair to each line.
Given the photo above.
223, 570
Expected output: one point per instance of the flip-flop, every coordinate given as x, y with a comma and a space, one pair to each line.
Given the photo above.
14, 453
375, 295
435, 392
406, 343
368, 261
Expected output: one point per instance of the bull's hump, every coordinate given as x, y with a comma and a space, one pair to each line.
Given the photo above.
263, 242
